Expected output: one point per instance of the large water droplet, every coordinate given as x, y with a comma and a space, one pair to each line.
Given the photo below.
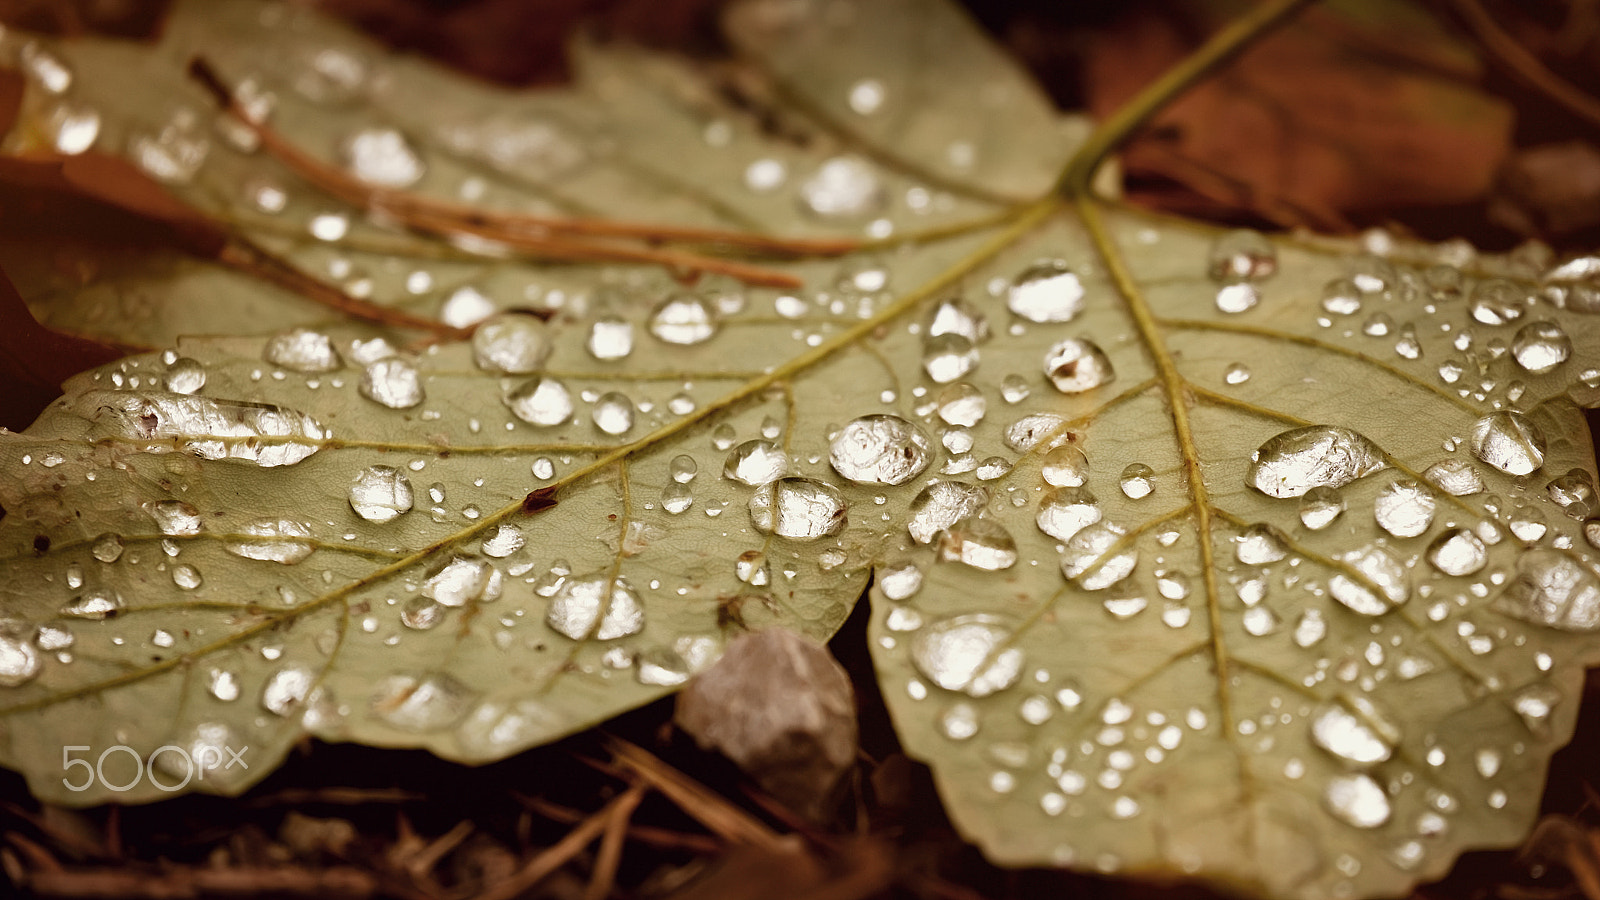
392, 382
303, 350
756, 462
1066, 511
107, 548
101, 603
286, 689
962, 405
610, 338
465, 307
210, 429
683, 319
275, 540
1497, 302
421, 704
19, 662
1457, 552
1242, 255
185, 376
1077, 365
1509, 441
381, 493
968, 654
1065, 466
1541, 346
541, 401
942, 504
799, 508
1320, 506
947, 357
613, 413
980, 543
1091, 557
1046, 291
1404, 508
1260, 545
1356, 800
844, 187
1297, 460
1554, 589
880, 449
581, 604
1376, 568
899, 581
511, 344
382, 157
174, 517
1355, 731
1455, 477
463, 580
958, 317
1137, 481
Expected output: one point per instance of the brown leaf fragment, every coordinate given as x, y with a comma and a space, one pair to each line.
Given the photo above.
1333, 115
1549, 190
34, 360
539, 500
782, 708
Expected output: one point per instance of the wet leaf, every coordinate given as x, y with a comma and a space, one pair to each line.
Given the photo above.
1255, 561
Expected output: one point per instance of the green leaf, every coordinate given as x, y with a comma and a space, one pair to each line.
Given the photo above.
1232, 684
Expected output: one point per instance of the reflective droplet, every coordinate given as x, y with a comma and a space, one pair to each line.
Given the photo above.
1242, 254
1076, 365
1534, 704
283, 541
580, 607
756, 462
880, 449
421, 614
959, 722
962, 405
207, 428
465, 307
1554, 589
1137, 481
1260, 545
980, 543
1093, 560
303, 350
1341, 297
107, 548
186, 577
1497, 302
1046, 291
1066, 511
968, 654
382, 157
1457, 552
1355, 731
1376, 568
844, 187
392, 382
223, 685
1541, 346
101, 603
683, 319
381, 494
1310, 629
900, 581
19, 662
959, 318
511, 344
174, 517
1237, 373
75, 128
1297, 460
676, 498
1237, 297
1455, 477
185, 376
1026, 433
421, 704
286, 689
947, 357
1509, 441
613, 413
463, 580
610, 338
942, 504
541, 401
1319, 507
1404, 508
799, 508
1356, 800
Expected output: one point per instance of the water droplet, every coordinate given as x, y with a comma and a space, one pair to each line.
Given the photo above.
505, 540
959, 318
463, 580
174, 154
1242, 254
382, 157
580, 605
1137, 481
1260, 545
1497, 302
107, 548
102, 603
421, 614
186, 577
207, 428
1341, 297
683, 319
613, 413
1237, 373
799, 508
968, 654
1091, 557
1320, 506
1237, 297
75, 128
1293, 462
303, 350
765, 175
900, 581
1455, 477
1457, 552
1508, 441
465, 307
1375, 567
45, 69
423, 703
1076, 365
223, 685
511, 344
541, 401
962, 405
381, 493
1355, 731
1356, 800
283, 541
947, 357
1310, 629
880, 449
1066, 511
610, 338
1534, 704
942, 504
1554, 589
756, 462
1404, 508
286, 689
866, 96
174, 517
392, 382
1541, 346
1046, 291
19, 662
959, 722
185, 376
979, 543
844, 187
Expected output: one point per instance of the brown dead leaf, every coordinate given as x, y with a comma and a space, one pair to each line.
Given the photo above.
1329, 117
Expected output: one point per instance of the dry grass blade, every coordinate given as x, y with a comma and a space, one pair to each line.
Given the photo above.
560, 853
707, 807
604, 876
